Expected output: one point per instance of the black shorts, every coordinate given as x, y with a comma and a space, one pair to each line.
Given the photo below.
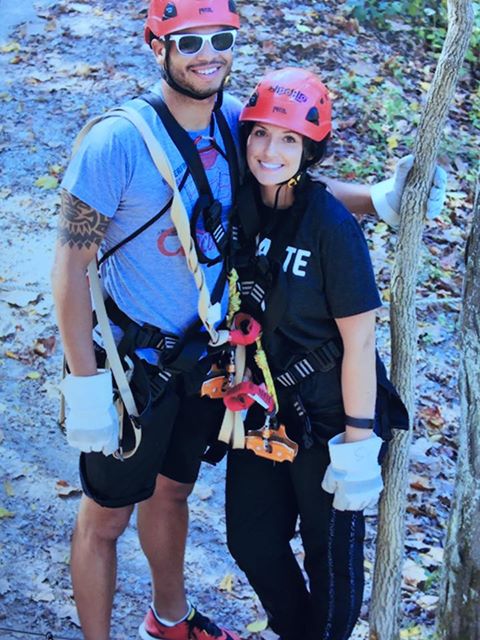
185, 426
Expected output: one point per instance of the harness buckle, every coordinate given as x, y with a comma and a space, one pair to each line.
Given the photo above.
324, 358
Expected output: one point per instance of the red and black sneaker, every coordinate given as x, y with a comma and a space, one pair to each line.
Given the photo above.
195, 627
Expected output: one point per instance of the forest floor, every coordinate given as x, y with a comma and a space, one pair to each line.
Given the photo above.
64, 62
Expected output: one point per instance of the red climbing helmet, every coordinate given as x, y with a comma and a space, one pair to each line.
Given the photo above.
169, 16
292, 98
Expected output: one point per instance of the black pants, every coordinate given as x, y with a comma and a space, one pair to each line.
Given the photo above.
264, 501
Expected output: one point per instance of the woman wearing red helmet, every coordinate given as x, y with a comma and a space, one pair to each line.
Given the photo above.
312, 286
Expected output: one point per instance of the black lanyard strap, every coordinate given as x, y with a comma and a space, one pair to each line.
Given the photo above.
206, 204
145, 226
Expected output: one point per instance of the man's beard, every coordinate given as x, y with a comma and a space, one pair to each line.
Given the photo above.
179, 84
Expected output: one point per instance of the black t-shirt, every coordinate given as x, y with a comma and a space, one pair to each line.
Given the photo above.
326, 270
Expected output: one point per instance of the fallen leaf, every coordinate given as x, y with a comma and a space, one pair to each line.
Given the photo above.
44, 346
257, 626
412, 632
364, 68
392, 142
4, 513
33, 375
413, 573
44, 593
427, 602
10, 47
65, 490
226, 583
203, 492
4, 586
84, 70
8, 489
68, 611
433, 556
433, 417
46, 182
420, 483
19, 298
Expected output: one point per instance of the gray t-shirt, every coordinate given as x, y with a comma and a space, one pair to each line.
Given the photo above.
113, 173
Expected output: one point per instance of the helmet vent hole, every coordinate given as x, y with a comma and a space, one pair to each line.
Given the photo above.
170, 11
232, 6
313, 116
253, 100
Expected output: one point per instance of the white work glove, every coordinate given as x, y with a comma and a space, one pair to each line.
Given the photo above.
353, 475
92, 420
386, 195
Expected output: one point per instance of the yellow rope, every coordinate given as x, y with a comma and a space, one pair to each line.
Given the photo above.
234, 300
260, 358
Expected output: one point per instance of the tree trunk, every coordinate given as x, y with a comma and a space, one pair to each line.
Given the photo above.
386, 595
459, 607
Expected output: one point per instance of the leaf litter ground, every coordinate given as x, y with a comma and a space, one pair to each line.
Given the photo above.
71, 61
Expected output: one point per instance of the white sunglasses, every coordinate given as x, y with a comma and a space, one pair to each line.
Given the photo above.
189, 44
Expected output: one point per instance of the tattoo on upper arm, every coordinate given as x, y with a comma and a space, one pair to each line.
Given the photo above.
79, 225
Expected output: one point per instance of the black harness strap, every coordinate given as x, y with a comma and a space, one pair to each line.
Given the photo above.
230, 152
206, 205
322, 360
145, 226
263, 286
182, 141
178, 354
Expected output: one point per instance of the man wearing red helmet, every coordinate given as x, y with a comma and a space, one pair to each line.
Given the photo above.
113, 199
334, 404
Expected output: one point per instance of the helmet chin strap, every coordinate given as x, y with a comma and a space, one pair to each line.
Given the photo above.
186, 92
291, 183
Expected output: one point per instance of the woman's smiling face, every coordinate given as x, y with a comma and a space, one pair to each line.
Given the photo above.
274, 154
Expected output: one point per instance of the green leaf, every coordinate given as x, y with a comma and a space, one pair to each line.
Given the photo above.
257, 626
46, 182
10, 47
4, 513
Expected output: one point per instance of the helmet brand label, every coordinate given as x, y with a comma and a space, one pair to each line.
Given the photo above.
277, 109
298, 96
203, 10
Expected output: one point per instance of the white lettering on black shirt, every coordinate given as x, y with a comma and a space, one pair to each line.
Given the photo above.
299, 261
296, 259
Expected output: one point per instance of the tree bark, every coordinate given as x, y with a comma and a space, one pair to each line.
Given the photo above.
386, 595
459, 607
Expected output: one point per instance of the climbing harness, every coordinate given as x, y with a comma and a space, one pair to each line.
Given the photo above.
209, 313
271, 441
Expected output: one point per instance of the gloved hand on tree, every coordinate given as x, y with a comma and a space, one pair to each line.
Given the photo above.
386, 195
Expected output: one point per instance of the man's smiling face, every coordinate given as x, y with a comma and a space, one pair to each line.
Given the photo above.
203, 73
